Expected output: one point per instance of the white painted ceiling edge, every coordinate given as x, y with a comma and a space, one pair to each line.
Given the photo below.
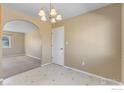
20, 26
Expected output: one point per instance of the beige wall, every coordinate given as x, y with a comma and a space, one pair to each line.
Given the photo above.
44, 29
17, 44
1, 27
95, 38
33, 44
122, 41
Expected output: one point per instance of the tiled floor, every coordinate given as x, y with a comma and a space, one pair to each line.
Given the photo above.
54, 75
18, 64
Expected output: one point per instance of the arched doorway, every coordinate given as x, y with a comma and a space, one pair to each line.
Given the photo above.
22, 49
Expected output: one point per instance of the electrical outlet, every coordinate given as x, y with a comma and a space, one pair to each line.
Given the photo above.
66, 42
83, 63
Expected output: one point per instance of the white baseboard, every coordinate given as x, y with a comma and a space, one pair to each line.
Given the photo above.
94, 75
34, 57
46, 64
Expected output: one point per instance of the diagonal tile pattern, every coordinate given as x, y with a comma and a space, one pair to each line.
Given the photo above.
54, 75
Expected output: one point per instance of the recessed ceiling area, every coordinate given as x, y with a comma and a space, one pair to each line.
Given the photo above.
67, 10
20, 26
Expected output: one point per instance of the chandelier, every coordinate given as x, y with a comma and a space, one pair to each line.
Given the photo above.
53, 16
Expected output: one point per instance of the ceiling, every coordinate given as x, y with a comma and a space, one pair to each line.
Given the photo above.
67, 10
17, 25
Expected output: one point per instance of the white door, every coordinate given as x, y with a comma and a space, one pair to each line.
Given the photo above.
58, 46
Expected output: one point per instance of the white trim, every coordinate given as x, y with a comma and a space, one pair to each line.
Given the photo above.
46, 64
34, 57
94, 75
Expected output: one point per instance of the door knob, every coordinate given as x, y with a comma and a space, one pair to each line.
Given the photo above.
61, 48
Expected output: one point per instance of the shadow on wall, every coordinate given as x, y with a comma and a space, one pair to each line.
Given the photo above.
21, 37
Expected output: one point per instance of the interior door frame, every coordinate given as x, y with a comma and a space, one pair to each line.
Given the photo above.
63, 46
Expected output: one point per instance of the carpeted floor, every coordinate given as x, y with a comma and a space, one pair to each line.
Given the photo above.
18, 64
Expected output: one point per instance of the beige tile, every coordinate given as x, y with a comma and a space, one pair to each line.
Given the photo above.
54, 75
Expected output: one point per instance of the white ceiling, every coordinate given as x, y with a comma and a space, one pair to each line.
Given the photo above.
18, 25
66, 9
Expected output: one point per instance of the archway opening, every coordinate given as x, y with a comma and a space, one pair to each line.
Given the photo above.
21, 49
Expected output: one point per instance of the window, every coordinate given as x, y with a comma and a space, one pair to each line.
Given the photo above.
6, 41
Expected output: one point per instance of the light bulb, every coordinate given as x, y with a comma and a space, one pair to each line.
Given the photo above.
53, 20
42, 13
59, 17
43, 18
53, 12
